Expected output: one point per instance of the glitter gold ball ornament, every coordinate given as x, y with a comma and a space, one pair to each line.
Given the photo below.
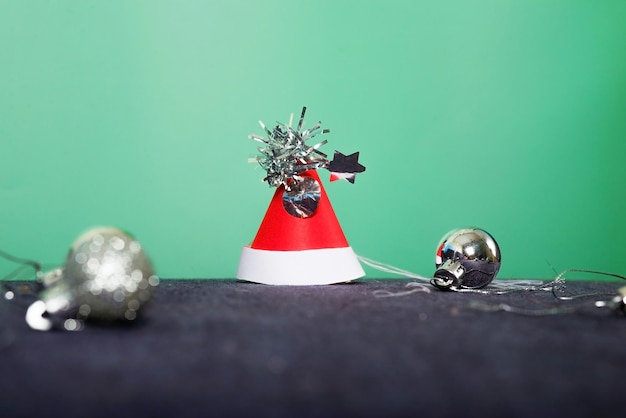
466, 258
106, 277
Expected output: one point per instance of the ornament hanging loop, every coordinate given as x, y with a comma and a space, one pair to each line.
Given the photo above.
448, 275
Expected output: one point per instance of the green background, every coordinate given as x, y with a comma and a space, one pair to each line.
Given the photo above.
507, 115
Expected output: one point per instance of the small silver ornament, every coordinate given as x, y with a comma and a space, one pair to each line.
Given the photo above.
106, 277
466, 258
302, 198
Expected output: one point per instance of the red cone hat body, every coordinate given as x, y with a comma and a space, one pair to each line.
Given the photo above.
288, 250
281, 231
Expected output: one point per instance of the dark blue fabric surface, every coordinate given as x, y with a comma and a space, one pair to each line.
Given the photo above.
226, 348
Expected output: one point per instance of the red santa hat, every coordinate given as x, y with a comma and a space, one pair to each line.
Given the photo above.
289, 250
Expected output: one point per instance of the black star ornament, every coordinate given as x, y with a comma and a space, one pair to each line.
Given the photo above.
345, 167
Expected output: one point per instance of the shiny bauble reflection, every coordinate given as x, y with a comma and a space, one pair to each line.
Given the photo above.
106, 277
303, 197
466, 258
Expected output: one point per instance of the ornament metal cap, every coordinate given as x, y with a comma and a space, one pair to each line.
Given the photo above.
289, 250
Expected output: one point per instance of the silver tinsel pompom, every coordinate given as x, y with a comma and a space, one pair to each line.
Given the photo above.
106, 277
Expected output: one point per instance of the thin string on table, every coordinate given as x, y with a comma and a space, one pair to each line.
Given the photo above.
585, 295
8, 291
614, 304
386, 268
497, 287
501, 287
474, 304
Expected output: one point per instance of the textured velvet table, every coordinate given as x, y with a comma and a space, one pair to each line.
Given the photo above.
226, 348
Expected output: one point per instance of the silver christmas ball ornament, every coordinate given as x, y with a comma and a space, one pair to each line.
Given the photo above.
106, 277
466, 258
